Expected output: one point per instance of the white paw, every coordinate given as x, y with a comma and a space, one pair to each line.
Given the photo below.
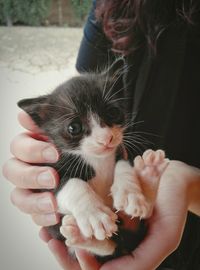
149, 168
74, 238
132, 202
71, 231
96, 219
151, 165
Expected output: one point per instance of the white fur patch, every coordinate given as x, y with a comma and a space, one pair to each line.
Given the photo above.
92, 216
127, 193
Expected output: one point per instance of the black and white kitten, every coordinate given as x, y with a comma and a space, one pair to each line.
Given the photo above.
85, 118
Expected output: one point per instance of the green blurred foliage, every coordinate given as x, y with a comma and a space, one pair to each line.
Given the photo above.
81, 8
27, 12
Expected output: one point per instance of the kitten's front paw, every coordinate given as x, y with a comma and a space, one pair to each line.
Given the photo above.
74, 239
96, 220
131, 201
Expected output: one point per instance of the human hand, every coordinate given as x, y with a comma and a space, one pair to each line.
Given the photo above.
171, 208
31, 148
162, 239
84, 261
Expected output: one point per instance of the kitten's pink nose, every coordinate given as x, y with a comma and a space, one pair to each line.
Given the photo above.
105, 140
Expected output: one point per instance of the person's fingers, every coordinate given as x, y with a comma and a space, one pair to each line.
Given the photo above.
28, 149
157, 245
44, 235
33, 203
125, 262
59, 250
26, 122
86, 260
165, 230
24, 175
46, 220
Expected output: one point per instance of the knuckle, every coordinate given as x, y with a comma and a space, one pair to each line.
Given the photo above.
5, 169
29, 177
37, 219
31, 148
13, 144
16, 141
13, 197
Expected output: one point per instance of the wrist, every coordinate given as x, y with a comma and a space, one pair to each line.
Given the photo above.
194, 190
190, 176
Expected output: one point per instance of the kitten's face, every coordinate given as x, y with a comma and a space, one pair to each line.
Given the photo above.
83, 116
101, 140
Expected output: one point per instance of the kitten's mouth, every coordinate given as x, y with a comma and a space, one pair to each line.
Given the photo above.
106, 149
102, 151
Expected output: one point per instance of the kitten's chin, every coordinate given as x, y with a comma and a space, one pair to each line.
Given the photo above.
100, 152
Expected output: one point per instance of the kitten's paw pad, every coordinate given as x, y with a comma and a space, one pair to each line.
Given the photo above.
132, 203
98, 222
151, 164
71, 231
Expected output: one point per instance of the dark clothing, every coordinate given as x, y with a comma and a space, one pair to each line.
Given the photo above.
164, 92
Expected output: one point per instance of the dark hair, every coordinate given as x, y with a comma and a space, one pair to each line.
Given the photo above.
131, 23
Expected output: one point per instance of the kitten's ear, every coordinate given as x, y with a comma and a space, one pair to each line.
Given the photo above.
115, 74
36, 108
117, 67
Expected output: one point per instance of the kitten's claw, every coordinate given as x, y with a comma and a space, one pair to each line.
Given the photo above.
130, 200
151, 165
96, 220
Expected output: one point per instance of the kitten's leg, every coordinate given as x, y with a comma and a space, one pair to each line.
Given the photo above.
74, 238
149, 168
126, 191
134, 189
92, 216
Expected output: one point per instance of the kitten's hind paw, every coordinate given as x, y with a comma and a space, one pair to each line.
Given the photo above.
151, 165
149, 168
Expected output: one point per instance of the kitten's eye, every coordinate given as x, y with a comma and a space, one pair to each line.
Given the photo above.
75, 128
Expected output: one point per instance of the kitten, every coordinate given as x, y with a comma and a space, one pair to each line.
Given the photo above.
85, 118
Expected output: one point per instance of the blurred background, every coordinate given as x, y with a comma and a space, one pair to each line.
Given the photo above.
39, 41
44, 12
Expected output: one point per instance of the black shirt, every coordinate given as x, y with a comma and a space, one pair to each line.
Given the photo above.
164, 98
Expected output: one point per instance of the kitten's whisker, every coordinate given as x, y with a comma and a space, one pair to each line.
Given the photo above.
132, 146
117, 99
62, 160
78, 165
132, 124
111, 88
109, 97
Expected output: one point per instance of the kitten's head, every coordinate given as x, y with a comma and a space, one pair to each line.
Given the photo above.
85, 115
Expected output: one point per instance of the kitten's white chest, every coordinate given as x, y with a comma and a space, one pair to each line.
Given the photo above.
102, 182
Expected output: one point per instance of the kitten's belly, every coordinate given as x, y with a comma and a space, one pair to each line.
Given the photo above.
101, 185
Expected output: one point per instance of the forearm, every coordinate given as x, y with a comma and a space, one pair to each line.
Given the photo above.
188, 180
194, 191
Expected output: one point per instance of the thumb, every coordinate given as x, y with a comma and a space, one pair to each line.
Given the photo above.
86, 260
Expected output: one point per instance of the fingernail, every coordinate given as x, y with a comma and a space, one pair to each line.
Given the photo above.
51, 219
46, 180
45, 204
50, 154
